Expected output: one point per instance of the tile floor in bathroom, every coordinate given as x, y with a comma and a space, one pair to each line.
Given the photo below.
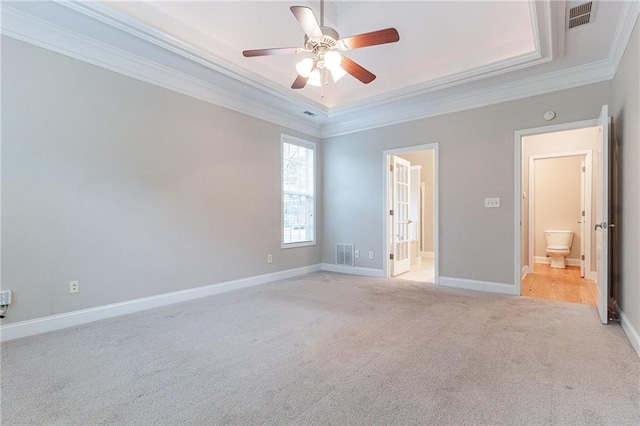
423, 271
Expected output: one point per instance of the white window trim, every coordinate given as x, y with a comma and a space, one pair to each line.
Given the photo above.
310, 145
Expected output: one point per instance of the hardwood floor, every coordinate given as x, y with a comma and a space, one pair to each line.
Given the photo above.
559, 284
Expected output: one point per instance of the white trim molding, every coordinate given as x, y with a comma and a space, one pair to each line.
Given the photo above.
630, 331
223, 90
353, 270
84, 316
485, 286
567, 260
64, 30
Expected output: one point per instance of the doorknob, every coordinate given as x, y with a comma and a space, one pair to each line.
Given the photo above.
604, 225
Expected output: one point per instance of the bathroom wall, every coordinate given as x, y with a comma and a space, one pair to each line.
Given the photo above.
425, 159
557, 201
548, 143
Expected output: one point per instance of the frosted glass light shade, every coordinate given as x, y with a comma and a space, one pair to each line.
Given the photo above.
332, 60
304, 67
314, 79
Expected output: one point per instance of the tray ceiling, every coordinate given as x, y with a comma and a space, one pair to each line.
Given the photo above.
451, 54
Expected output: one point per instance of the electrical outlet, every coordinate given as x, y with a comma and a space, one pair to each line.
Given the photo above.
492, 203
74, 287
370, 255
269, 258
5, 298
356, 253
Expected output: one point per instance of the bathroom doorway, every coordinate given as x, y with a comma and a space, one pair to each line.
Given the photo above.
410, 213
559, 206
588, 135
560, 198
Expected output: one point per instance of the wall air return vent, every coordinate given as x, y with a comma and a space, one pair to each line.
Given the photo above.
580, 15
344, 254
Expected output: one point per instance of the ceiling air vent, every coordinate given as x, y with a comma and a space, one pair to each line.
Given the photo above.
580, 15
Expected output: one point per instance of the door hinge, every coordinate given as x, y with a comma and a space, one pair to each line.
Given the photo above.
582, 257
584, 169
391, 256
390, 167
390, 212
582, 213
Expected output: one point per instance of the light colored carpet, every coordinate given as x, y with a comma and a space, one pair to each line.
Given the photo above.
330, 349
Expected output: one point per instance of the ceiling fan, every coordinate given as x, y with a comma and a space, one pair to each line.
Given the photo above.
326, 46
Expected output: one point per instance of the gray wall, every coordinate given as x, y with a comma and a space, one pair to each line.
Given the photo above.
626, 210
131, 189
476, 154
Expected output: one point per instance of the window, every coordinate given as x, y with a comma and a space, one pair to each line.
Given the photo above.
298, 192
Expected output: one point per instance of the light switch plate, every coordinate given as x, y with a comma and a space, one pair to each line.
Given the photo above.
492, 203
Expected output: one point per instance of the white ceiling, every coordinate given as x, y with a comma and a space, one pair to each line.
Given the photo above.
449, 53
437, 39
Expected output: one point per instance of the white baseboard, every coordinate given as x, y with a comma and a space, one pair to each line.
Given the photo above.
427, 254
486, 286
70, 319
570, 262
353, 270
630, 331
525, 271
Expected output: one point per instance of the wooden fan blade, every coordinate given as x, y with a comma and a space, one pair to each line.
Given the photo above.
307, 21
389, 35
357, 71
268, 52
299, 82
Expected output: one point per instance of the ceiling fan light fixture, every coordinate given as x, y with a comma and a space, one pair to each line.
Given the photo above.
332, 60
304, 67
314, 78
322, 42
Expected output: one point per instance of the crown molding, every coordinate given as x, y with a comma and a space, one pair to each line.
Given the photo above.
624, 29
136, 28
425, 107
227, 87
250, 101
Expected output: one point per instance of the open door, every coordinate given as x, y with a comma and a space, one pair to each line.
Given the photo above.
400, 172
583, 236
602, 215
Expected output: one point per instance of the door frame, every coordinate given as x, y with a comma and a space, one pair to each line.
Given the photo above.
386, 206
588, 205
517, 188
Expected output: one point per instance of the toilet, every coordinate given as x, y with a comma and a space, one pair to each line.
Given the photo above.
558, 246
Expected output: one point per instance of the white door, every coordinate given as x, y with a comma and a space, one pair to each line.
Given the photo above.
401, 171
583, 236
602, 225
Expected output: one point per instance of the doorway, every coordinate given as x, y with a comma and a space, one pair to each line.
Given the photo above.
410, 212
557, 203
599, 232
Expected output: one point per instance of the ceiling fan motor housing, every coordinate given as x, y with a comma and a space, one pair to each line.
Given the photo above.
329, 40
